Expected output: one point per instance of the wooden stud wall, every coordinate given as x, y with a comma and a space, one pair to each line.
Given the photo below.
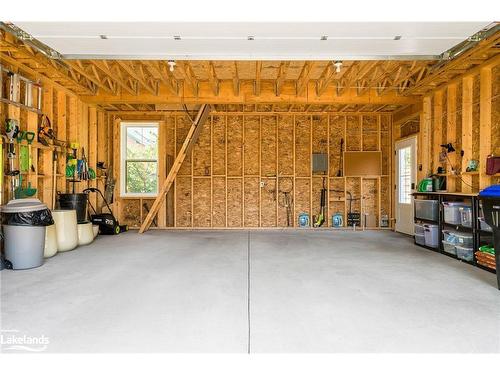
466, 113
243, 162
72, 121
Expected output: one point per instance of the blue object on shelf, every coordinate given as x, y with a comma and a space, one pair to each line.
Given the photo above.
303, 220
492, 191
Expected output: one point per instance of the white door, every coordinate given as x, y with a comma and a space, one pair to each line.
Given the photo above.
406, 173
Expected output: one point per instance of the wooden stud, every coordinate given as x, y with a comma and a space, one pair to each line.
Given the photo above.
485, 126
466, 131
451, 132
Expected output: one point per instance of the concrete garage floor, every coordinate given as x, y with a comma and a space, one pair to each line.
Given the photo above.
298, 291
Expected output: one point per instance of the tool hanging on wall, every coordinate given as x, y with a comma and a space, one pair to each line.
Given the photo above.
109, 186
286, 189
71, 163
54, 177
353, 218
46, 134
30, 136
21, 192
340, 170
11, 132
322, 211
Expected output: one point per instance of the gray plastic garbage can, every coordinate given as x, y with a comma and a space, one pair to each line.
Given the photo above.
23, 224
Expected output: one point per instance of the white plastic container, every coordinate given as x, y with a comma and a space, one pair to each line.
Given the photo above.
95, 230
50, 241
427, 209
464, 239
419, 228
466, 216
465, 253
431, 233
66, 229
450, 237
449, 248
483, 225
452, 212
85, 234
419, 239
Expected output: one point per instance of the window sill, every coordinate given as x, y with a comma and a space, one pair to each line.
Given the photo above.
137, 196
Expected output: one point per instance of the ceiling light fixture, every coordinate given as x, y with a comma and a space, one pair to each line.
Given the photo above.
171, 65
337, 65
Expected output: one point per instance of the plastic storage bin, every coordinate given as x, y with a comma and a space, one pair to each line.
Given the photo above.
465, 253
23, 224
464, 239
466, 216
419, 228
449, 237
427, 209
483, 225
420, 239
431, 233
449, 248
452, 212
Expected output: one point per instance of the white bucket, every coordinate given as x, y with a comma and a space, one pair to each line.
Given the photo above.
66, 229
50, 241
85, 234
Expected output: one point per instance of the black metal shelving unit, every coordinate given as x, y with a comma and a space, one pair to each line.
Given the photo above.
477, 233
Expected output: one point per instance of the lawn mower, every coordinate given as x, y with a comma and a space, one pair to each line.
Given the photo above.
107, 221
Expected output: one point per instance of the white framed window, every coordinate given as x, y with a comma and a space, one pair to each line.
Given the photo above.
139, 159
404, 164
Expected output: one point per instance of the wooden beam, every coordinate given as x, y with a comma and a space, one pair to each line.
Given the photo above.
425, 132
247, 96
258, 71
190, 140
163, 74
80, 68
485, 126
137, 73
304, 77
451, 133
115, 75
280, 80
212, 78
466, 131
438, 130
236, 79
189, 77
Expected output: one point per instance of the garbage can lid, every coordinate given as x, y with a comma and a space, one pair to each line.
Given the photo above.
23, 205
492, 191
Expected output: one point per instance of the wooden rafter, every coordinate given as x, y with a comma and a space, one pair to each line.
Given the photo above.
115, 75
304, 77
236, 79
162, 73
91, 75
280, 80
189, 77
212, 78
137, 72
258, 71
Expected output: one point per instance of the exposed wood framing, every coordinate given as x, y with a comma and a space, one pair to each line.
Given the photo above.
186, 148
